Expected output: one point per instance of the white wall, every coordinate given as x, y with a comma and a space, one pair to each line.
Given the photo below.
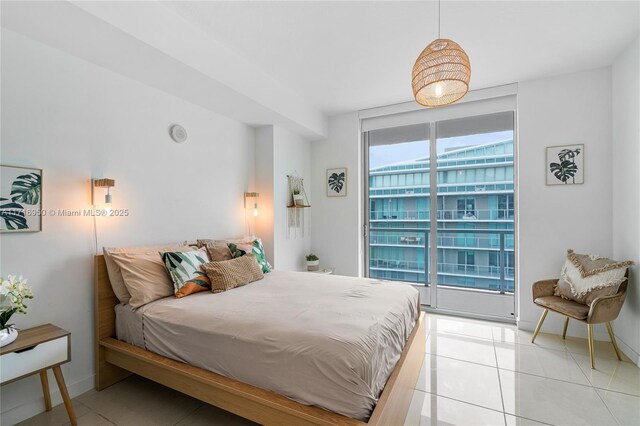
626, 189
336, 226
264, 186
292, 156
76, 121
279, 153
562, 110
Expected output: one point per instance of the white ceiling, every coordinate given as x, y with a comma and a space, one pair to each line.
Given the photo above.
345, 56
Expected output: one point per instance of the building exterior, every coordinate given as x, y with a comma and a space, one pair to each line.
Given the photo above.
475, 218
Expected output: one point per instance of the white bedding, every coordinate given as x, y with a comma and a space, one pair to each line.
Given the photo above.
321, 340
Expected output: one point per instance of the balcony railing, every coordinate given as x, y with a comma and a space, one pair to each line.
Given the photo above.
491, 242
447, 239
501, 240
457, 269
470, 215
477, 214
400, 215
444, 189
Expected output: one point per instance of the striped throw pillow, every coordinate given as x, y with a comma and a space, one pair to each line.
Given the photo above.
233, 273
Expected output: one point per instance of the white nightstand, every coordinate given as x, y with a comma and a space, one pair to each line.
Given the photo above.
35, 351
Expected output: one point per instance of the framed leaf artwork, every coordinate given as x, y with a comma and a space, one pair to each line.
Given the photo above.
565, 165
20, 199
337, 182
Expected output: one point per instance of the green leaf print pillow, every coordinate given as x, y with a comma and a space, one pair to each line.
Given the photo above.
253, 247
185, 272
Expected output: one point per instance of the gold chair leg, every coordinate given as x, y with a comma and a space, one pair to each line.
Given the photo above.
613, 341
535, 333
566, 325
592, 353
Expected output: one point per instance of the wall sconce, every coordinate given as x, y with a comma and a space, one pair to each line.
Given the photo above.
255, 204
102, 183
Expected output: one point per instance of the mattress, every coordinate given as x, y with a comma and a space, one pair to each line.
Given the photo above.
321, 340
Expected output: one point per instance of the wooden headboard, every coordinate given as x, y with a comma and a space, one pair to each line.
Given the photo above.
105, 302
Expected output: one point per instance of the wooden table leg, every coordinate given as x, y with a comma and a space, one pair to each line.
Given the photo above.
65, 395
45, 389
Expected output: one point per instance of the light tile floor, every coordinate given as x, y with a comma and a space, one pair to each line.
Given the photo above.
483, 373
474, 373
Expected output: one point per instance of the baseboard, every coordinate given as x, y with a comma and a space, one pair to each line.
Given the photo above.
628, 351
36, 406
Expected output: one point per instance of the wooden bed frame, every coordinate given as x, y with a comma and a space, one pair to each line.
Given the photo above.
115, 360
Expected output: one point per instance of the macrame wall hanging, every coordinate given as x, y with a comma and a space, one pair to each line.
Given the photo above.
297, 222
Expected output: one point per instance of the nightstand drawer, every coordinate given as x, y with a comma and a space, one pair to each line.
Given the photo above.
18, 364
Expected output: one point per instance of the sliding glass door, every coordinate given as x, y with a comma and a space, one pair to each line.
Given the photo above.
399, 205
463, 170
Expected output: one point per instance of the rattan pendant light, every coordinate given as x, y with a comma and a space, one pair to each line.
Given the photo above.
441, 73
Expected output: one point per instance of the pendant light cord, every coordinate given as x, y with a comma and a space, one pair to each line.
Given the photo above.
438, 18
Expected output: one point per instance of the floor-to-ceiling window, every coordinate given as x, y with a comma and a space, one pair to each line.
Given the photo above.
463, 169
399, 204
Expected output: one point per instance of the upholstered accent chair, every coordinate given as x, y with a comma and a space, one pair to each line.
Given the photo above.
602, 310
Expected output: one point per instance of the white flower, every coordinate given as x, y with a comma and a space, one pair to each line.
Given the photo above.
13, 292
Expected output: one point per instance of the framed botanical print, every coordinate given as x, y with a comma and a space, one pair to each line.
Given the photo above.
20, 199
565, 165
337, 182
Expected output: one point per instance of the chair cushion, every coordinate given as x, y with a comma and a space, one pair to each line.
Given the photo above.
566, 307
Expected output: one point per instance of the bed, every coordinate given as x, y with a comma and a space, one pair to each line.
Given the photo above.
269, 371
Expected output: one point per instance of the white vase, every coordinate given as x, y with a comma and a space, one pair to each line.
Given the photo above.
8, 335
298, 200
313, 265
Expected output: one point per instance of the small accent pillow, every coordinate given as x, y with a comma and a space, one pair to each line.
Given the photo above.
219, 253
584, 278
245, 239
202, 242
253, 247
232, 273
184, 270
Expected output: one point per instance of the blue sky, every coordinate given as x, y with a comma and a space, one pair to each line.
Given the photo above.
383, 155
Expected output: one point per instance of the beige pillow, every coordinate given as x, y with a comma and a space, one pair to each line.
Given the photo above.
202, 242
584, 277
113, 270
241, 240
233, 273
218, 253
145, 276
219, 250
